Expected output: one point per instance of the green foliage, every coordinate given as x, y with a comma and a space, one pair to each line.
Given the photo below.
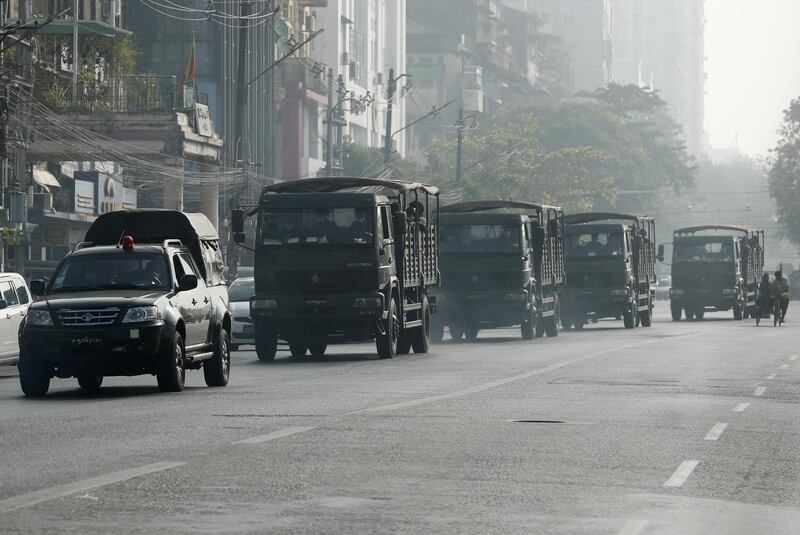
359, 161
784, 172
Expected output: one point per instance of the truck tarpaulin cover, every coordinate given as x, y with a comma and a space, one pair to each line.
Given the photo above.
194, 230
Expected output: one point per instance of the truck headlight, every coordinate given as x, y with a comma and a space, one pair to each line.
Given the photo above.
41, 318
263, 304
730, 291
676, 293
140, 314
368, 302
515, 297
619, 292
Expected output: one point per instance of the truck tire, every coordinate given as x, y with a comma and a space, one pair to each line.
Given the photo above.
737, 311
528, 326
217, 369
171, 368
646, 317
456, 331
90, 383
386, 342
297, 348
317, 348
539, 329
33, 378
266, 344
676, 311
404, 343
551, 323
629, 318
471, 332
699, 314
421, 336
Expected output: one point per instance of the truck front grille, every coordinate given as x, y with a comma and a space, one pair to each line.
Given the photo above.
594, 280
327, 282
88, 317
499, 280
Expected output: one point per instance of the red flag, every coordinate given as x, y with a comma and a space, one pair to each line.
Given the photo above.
191, 66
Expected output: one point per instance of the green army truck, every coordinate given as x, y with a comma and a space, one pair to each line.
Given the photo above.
716, 268
341, 260
502, 265
611, 269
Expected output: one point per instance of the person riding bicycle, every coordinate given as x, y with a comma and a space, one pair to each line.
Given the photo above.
765, 296
780, 290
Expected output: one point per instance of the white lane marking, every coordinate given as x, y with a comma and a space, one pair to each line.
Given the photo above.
760, 391
741, 407
716, 431
59, 491
493, 384
260, 439
793, 357
770, 377
680, 475
784, 367
633, 527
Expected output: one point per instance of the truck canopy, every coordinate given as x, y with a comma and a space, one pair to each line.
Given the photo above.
334, 184
194, 230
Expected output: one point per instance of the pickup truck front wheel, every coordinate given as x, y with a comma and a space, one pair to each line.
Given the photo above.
33, 378
171, 370
217, 369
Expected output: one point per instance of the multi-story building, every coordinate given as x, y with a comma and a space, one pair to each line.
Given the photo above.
585, 29
660, 45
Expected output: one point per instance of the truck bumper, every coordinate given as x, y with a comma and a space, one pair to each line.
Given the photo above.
107, 351
601, 301
717, 299
502, 308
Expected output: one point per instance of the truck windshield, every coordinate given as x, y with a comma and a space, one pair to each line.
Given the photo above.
480, 239
711, 251
340, 226
241, 290
595, 244
124, 271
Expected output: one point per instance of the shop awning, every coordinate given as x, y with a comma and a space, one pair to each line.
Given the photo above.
45, 178
86, 28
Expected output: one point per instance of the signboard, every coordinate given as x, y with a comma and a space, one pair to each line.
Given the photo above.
83, 198
203, 123
54, 236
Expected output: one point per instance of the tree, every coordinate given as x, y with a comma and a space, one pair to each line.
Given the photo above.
784, 172
359, 161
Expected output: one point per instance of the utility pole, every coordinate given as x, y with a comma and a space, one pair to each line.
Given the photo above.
460, 147
387, 147
75, 53
329, 127
338, 156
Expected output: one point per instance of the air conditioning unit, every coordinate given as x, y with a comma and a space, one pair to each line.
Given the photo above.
355, 70
345, 58
378, 79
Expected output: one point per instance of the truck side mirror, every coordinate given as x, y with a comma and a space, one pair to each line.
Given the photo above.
3, 304
661, 253
188, 282
38, 288
400, 222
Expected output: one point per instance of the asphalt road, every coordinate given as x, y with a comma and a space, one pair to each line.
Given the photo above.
681, 428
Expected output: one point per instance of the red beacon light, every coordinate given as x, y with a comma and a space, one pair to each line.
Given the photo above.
127, 243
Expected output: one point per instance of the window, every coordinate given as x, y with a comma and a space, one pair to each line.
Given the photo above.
112, 271
9, 295
22, 294
188, 265
386, 222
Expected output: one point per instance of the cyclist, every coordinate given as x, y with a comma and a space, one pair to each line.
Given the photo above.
780, 290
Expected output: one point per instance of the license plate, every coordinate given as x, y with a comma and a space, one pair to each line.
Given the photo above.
87, 341
249, 329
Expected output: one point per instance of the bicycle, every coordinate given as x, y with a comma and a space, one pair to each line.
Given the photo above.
777, 315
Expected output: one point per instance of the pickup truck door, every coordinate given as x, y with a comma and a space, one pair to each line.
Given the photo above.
201, 303
10, 319
190, 303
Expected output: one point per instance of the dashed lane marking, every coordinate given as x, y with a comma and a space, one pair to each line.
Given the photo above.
32, 498
716, 431
633, 527
760, 391
680, 475
741, 407
784, 367
770, 377
260, 439
794, 357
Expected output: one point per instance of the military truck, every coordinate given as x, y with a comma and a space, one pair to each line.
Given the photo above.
716, 268
502, 265
344, 259
611, 269
144, 294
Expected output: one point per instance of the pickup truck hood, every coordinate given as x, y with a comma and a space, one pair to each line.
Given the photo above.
99, 299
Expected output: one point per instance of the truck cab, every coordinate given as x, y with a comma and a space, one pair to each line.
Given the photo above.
144, 294
500, 268
610, 264
715, 268
335, 263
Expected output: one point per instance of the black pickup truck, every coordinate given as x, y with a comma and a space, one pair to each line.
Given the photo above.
144, 294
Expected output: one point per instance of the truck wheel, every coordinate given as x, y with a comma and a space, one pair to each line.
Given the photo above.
266, 344
421, 336
629, 318
528, 326
297, 348
566, 322
386, 342
551, 323
404, 343
171, 370
676, 312
456, 331
646, 317
89, 382
471, 332
217, 369
699, 314
737, 311
580, 323
437, 329
33, 378
317, 348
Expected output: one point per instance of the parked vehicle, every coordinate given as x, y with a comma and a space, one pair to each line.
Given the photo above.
611, 269
15, 298
716, 267
344, 259
500, 268
239, 294
144, 294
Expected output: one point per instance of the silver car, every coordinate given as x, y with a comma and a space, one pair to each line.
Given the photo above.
15, 299
239, 293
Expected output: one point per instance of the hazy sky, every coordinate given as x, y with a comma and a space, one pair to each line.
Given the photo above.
753, 66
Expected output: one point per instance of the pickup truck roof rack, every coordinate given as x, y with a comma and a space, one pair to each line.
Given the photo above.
694, 230
172, 242
593, 217
334, 184
486, 206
